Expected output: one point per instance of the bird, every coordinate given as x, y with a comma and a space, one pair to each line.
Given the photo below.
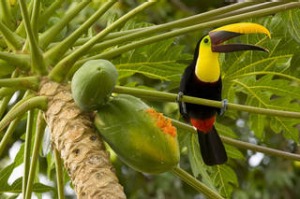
202, 79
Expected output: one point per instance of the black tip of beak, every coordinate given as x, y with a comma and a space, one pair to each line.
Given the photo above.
237, 47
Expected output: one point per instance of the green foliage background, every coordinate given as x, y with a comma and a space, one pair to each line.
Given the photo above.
267, 80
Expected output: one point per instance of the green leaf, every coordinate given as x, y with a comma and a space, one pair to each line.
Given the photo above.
286, 126
199, 169
224, 178
272, 93
159, 61
215, 177
267, 80
4, 176
6, 172
293, 23
41, 188
16, 187
232, 152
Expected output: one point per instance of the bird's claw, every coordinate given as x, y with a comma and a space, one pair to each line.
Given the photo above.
179, 96
224, 106
182, 105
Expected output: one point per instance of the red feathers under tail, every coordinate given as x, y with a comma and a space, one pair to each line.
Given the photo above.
212, 148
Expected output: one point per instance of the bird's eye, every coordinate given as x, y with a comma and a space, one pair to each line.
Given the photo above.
206, 40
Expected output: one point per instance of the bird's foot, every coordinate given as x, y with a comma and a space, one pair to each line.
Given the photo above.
224, 106
182, 105
179, 96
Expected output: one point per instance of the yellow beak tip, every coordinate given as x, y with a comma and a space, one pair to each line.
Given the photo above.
244, 28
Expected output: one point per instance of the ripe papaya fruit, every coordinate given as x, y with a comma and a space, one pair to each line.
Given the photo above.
93, 83
143, 138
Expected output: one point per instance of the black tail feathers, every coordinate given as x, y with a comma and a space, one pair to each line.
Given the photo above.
212, 148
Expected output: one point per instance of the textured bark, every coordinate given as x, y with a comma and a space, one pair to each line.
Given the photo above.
83, 152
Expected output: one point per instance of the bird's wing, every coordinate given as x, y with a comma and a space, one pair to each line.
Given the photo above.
186, 77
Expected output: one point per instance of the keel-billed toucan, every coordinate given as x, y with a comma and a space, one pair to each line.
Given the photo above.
202, 78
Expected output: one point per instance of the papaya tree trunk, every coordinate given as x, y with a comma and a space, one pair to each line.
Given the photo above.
81, 149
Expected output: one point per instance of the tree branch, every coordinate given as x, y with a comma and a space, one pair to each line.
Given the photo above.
196, 184
171, 97
79, 145
244, 145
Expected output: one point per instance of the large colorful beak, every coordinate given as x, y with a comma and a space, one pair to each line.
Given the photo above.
224, 33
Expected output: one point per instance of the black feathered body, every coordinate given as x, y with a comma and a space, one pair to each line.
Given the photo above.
190, 85
203, 117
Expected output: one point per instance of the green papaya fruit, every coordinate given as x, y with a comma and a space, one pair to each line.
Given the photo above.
143, 138
93, 83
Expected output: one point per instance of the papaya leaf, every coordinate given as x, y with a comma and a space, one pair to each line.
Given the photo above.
160, 61
4, 176
41, 188
6, 172
232, 152
224, 178
207, 173
293, 24
199, 169
16, 187
267, 80
267, 92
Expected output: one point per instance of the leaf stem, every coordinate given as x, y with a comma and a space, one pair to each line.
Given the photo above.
289, 77
231, 10
171, 97
22, 107
6, 15
40, 129
244, 145
21, 82
265, 150
49, 12
62, 68
22, 61
38, 64
59, 174
54, 54
125, 36
6, 99
6, 91
47, 37
8, 134
193, 182
34, 17
4, 104
213, 23
28, 137
254, 7
13, 40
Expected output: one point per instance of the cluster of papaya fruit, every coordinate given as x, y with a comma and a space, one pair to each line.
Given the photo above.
141, 137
